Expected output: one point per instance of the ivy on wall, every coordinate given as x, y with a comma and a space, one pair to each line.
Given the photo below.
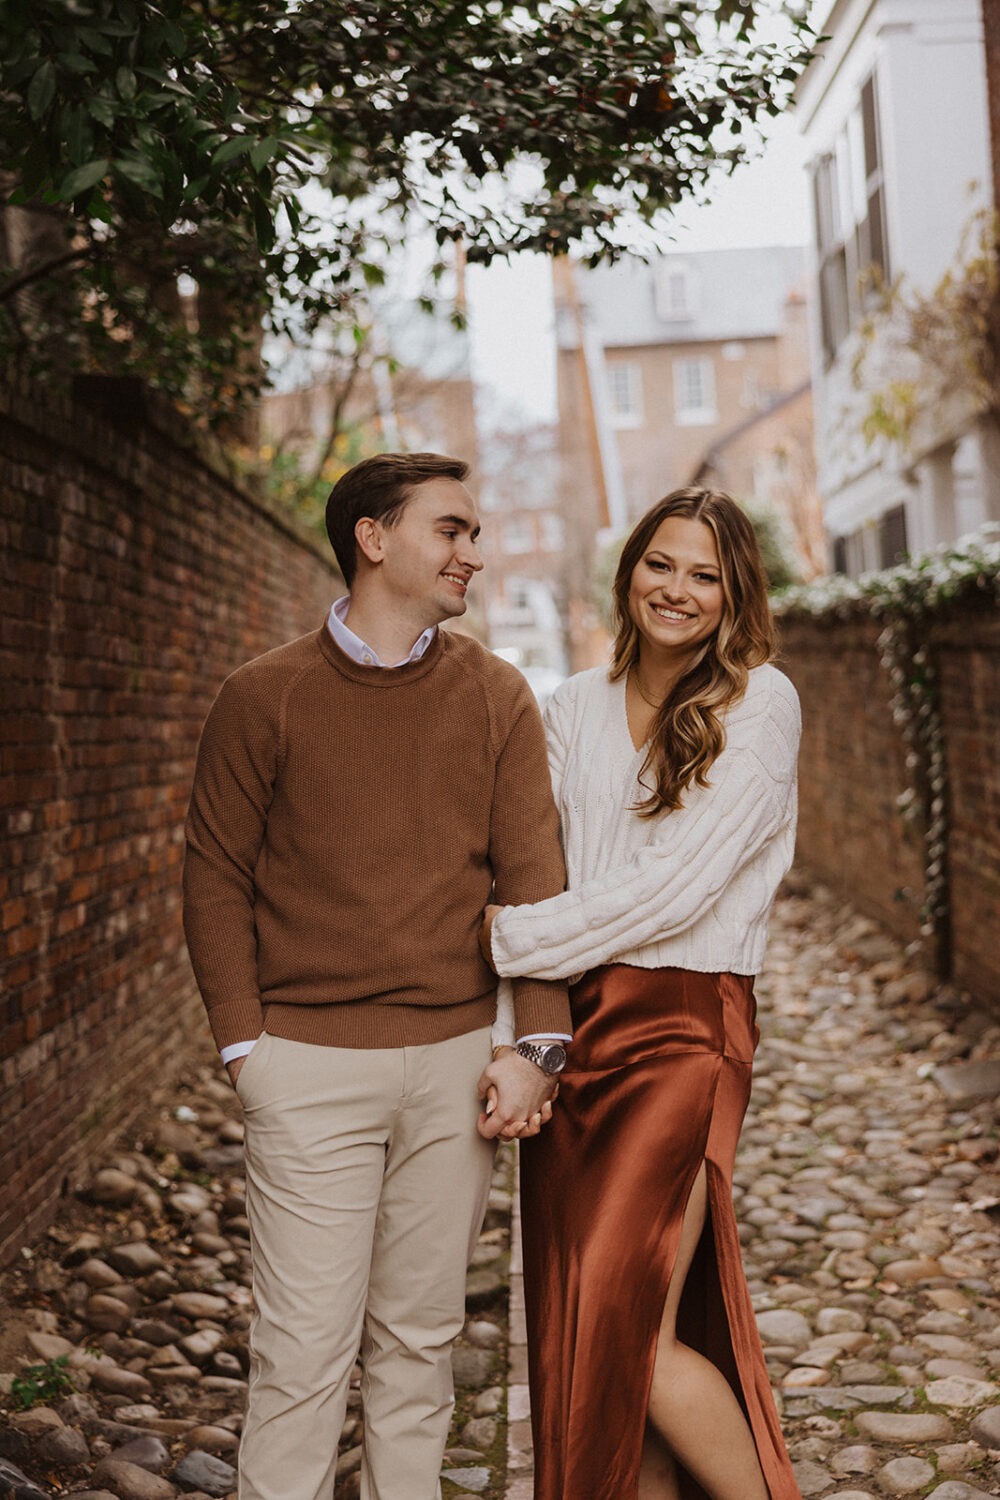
904, 601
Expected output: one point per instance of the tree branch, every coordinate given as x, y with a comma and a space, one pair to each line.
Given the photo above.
47, 267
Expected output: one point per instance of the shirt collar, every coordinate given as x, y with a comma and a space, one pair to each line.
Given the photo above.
353, 646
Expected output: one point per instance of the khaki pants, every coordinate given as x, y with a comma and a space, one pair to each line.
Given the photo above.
366, 1189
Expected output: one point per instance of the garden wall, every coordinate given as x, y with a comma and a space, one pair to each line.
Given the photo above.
853, 767
135, 576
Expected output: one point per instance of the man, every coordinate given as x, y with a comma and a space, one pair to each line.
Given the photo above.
359, 794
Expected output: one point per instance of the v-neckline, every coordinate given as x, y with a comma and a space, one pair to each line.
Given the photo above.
636, 750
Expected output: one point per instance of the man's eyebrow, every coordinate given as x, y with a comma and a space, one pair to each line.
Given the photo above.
461, 522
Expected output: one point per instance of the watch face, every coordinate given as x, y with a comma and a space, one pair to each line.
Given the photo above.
554, 1057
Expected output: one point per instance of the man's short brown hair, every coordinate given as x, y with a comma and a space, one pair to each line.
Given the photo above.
380, 487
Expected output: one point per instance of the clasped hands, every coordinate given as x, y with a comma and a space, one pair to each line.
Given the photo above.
518, 1095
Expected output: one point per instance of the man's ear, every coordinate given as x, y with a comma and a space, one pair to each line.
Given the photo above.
368, 535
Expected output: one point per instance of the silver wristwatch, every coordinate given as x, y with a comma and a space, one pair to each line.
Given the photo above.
549, 1056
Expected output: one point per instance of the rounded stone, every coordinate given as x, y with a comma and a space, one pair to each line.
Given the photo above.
472, 1367
62, 1445
199, 1305
203, 1471
957, 1489
782, 1325
146, 1451
114, 1188
901, 1476
986, 1427
811, 1477
903, 1427
115, 1381
107, 1314
839, 1320
135, 1259
212, 1439
480, 1432
957, 1391
483, 1334
859, 1458
130, 1482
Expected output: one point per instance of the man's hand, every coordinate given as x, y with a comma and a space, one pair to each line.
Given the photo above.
521, 1096
233, 1068
485, 933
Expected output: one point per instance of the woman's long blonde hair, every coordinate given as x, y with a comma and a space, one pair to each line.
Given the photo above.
687, 734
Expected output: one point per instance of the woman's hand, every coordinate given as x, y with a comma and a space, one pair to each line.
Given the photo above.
485, 932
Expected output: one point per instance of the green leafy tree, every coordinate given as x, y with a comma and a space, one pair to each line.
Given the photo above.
176, 173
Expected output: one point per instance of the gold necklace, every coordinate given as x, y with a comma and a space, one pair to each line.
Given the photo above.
633, 674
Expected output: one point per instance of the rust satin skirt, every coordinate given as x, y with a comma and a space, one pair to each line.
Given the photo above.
658, 1082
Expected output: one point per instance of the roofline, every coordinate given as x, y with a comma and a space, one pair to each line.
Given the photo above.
748, 422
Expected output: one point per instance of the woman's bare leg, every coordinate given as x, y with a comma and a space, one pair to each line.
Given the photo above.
657, 1471
692, 1408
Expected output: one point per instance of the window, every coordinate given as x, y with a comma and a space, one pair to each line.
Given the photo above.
892, 537
625, 393
553, 532
694, 391
849, 210
675, 292
518, 534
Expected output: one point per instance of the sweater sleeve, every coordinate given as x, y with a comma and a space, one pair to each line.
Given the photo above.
557, 736
233, 785
697, 850
525, 854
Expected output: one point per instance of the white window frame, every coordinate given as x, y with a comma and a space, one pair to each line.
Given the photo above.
675, 291
517, 536
624, 392
688, 412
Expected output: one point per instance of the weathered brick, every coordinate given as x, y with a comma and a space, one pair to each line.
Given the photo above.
853, 768
136, 579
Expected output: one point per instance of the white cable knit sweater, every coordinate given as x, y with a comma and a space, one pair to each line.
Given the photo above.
690, 889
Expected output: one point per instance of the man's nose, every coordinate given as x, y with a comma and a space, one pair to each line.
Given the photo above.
469, 555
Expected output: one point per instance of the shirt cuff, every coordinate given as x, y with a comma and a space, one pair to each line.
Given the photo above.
545, 1036
237, 1049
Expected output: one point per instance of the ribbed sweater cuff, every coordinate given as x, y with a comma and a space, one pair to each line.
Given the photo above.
541, 1008
237, 1020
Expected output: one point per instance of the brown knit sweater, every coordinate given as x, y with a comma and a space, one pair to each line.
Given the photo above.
348, 825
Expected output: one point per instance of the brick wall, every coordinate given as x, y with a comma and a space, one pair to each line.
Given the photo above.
135, 576
853, 767
966, 646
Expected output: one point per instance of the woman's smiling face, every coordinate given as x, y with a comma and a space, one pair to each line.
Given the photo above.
676, 598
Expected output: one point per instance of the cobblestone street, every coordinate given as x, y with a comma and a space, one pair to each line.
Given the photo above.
868, 1196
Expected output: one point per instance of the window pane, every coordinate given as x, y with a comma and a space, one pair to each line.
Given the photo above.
869, 120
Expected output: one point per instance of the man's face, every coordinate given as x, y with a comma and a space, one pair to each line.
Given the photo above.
431, 554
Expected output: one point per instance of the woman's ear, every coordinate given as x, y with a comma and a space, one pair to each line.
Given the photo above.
368, 535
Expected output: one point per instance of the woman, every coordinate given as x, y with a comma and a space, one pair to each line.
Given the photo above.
674, 773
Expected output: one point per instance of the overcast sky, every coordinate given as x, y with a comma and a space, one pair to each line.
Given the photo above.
763, 203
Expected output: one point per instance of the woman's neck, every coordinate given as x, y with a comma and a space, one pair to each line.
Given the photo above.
655, 675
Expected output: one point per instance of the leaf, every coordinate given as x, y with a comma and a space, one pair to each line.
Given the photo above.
101, 109
125, 84
75, 62
42, 90
263, 224
237, 145
83, 179
139, 171
263, 151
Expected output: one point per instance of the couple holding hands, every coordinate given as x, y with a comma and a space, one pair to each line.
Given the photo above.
363, 796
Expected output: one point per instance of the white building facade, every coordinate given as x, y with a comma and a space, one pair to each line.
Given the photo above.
894, 109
